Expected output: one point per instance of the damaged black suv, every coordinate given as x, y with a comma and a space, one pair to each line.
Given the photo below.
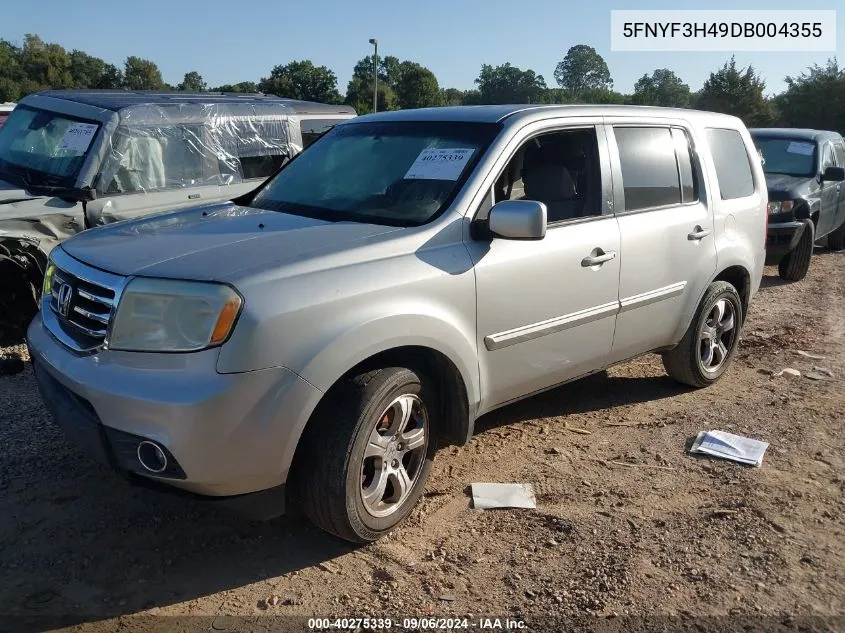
804, 173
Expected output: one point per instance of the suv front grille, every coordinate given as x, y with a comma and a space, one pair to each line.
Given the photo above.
87, 307
82, 302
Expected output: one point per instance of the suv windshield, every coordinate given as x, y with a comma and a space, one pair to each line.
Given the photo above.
396, 173
788, 156
44, 148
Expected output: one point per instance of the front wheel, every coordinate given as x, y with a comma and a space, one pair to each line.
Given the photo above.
367, 454
708, 346
795, 265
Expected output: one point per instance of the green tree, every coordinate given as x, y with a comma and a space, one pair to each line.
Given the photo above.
359, 94
92, 72
302, 80
243, 86
662, 88
509, 84
142, 74
193, 82
44, 65
815, 98
416, 87
389, 70
583, 68
452, 96
737, 91
11, 74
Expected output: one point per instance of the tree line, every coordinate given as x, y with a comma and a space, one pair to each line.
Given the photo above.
815, 98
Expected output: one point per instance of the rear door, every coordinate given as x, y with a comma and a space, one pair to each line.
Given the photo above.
668, 251
839, 155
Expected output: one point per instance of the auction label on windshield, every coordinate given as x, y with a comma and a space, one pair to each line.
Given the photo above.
797, 147
439, 164
78, 137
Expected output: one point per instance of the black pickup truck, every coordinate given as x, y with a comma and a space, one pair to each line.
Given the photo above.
804, 173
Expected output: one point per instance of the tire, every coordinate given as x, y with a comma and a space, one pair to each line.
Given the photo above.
795, 265
688, 361
338, 482
836, 239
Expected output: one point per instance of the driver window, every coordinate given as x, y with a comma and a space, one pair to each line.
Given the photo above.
827, 157
560, 169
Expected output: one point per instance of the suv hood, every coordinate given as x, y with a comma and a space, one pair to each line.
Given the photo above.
214, 243
792, 186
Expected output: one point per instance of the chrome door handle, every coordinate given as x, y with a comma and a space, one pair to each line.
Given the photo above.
596, 260
698, 234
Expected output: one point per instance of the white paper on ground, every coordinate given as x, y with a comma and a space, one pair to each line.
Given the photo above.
798, 147
489, 496
78, 137
439, 164
729, 446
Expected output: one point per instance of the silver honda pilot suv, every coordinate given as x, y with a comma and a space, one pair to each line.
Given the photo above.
315, 341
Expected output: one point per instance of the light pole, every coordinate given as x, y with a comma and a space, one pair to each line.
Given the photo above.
374, 42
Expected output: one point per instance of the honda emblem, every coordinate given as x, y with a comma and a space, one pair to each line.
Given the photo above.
65, 295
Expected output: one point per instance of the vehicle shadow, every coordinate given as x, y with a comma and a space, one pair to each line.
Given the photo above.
82, 545
592, 393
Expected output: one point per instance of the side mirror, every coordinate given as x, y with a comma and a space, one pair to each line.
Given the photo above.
518, 220
834, 174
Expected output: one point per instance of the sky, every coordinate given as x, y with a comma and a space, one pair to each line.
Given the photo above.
228, 42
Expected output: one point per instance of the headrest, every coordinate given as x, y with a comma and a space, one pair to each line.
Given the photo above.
548, 182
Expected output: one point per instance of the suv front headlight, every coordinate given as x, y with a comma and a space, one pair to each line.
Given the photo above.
780, 207
164, 315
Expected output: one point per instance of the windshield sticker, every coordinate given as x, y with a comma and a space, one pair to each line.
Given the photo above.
797, 147
78, 137
439, 164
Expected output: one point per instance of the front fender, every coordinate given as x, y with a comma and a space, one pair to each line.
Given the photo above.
380, 335
364, 341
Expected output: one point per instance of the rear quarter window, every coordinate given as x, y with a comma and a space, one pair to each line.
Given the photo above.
733, 167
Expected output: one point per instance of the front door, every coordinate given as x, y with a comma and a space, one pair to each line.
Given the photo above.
828, 193
547, 308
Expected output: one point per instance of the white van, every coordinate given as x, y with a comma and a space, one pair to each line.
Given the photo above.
74, 159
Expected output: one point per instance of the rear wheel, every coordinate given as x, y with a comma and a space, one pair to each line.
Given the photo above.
836, 240
708, 346
795, 265
367, 454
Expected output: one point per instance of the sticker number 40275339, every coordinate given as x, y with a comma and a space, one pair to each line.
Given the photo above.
78, 137
439, 164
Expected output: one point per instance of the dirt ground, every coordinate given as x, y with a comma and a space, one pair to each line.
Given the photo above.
627, 525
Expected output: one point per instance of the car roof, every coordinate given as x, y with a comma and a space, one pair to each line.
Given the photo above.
498, 113
799, 133
117, 100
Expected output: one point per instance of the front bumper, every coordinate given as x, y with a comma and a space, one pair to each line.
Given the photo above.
782, 238
226, 433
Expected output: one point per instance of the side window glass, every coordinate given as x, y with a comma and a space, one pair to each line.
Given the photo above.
560, 169
144, 159
827, 157
733, 167
683, 152
261, 146
312, 129
839, 152
649, 167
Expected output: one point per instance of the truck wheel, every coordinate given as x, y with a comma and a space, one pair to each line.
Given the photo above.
709, 344
836, 239
794, 266
367, 454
